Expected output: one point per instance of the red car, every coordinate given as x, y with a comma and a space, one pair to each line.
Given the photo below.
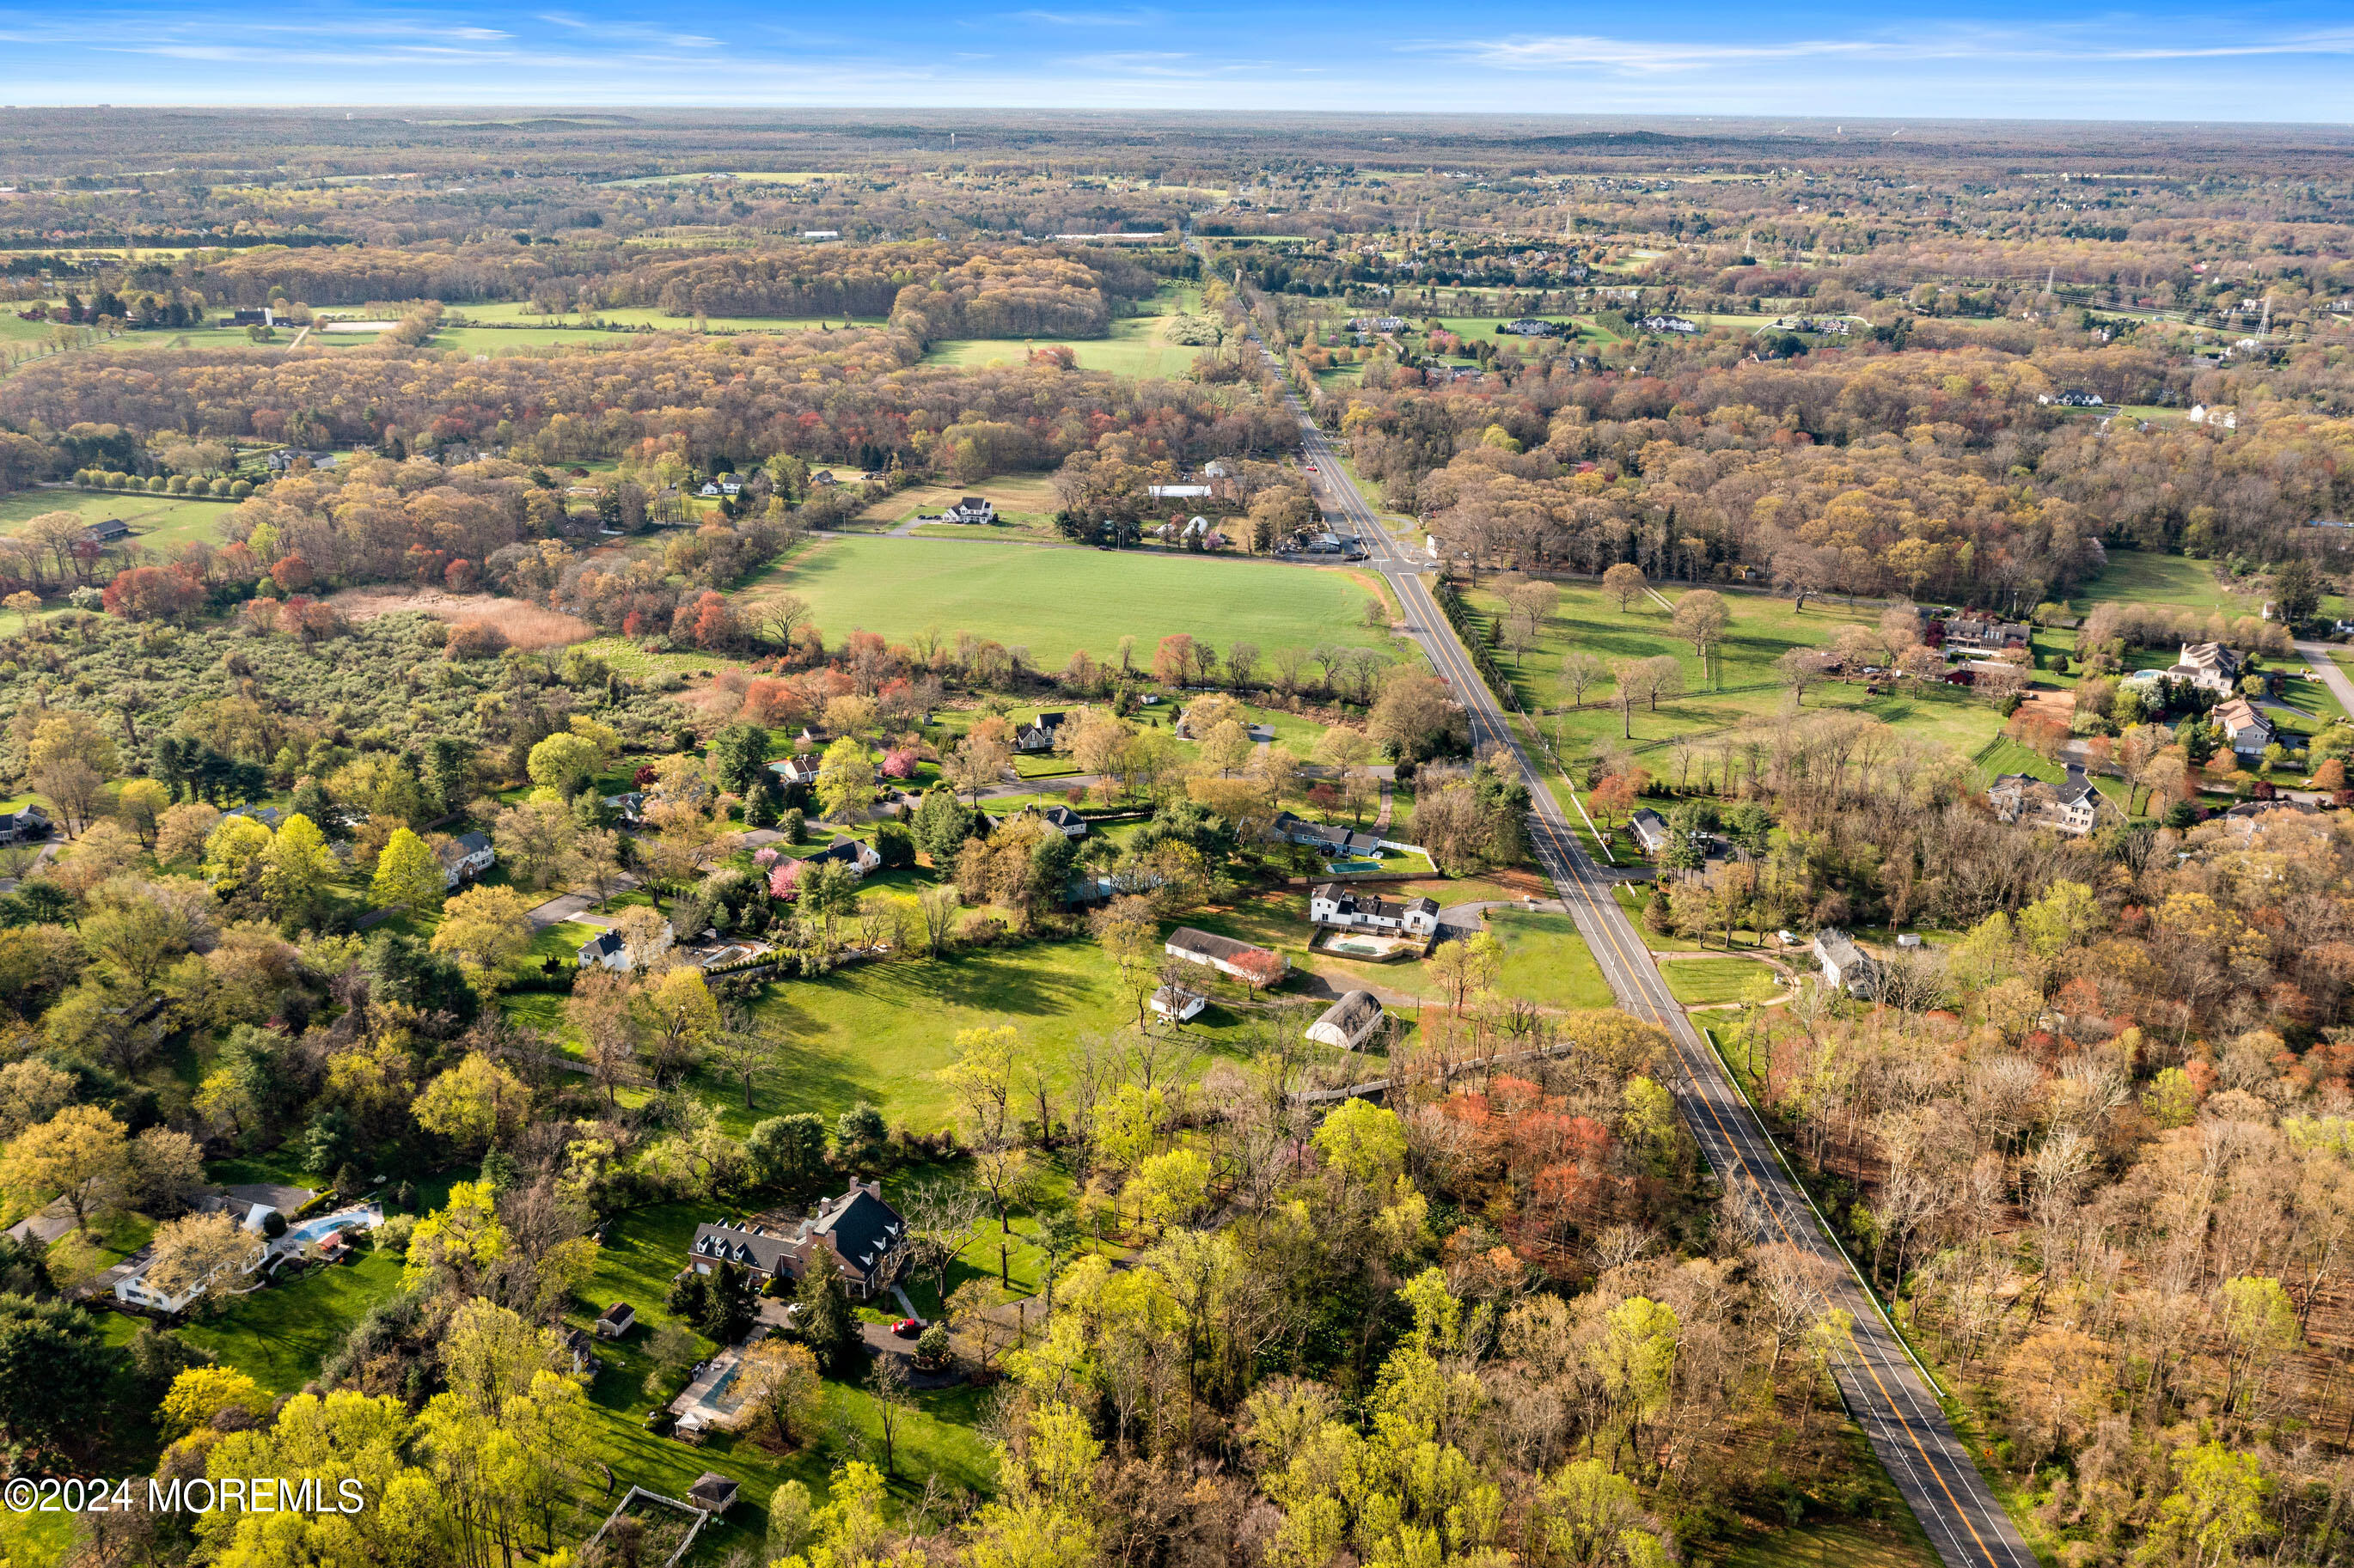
908, 1327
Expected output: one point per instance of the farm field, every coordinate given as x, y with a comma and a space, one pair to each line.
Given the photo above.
1054, 602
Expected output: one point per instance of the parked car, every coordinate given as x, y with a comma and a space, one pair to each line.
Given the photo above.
907, 1328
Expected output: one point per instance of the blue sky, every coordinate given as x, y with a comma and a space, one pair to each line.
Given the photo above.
2169, 59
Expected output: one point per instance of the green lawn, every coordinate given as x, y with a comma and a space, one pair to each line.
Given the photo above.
1136, 346
280, 1335
1054, 600
2145, 577
519, 312
1763, 628
157, 522
1546, 962
1698, 981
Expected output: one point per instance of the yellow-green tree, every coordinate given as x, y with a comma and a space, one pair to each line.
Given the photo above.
474, 1104
845, 780
199, 1393
81, 1154
236, 854
297, 865
485, 929
407, 873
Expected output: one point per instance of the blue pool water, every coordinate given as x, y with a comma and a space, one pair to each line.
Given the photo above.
326, 1224
1338, 866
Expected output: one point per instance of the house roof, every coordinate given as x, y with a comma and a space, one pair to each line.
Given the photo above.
601, 946
618, 1312
864, 1228
761, 1249
1374, 904
471, 843
1210, 945
1355, 1011
847, 851
2240, 714
1837, 948
713, 1490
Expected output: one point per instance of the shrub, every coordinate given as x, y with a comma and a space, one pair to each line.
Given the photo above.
793, 824
238, 489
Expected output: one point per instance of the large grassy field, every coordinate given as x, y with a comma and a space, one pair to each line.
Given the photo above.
158, 521
2145, 577
1054, 600
1762, 630
517, 311
1137, 345
1018, 497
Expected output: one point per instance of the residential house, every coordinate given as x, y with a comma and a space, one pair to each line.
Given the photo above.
581, 1347
1177, 1005
1349, 1022
1846, 966
1179, 491
1532, 326
2210, 667
2073, 398
857, 854
16, 827
616, 1321
866, 1236
1224, 954
627, 806
285, 457
2242, 727
1039, 734
133, 1290
722, 485
1062, 819
108, 532
2073, 808
1332, 840
971, 509
1346, 909
604, 950
1669, 323
1972, 634
799, 768
1651, 831
468, 855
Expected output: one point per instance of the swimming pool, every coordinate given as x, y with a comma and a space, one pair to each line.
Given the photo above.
1338, 866
325, 1226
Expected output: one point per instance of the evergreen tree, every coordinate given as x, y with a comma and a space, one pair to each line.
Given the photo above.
824, 1321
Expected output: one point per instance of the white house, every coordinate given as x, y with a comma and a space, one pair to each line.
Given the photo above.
1348, 1023
799, 768
866, 1236
1345, 909
1669, 323
1179, 491
468, 855
133, 1289
971, 509
2210, 666
604, 950
1177, 1005
1224, 954
1039, 735
1846, 966
857, 854
1650, 830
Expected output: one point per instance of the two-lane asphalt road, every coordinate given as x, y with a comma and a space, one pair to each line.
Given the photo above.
1890, 1397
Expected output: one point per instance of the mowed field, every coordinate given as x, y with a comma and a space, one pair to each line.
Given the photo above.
1762, 630
158, 521
1053, 600
1136, 348
2145, 577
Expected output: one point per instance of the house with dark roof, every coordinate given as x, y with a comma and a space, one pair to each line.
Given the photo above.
712, 1493
1982, 634
1332, 841
16, 827
1039, 734
1532, 327
582, 1346
1062, 819
615, 1321
971, 509
1650, 830
466, 855
108, 532
1224, 954
866, 1236
604, 950
799, 768
1347, 909
858, 856
2209, 666
1348, 1023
